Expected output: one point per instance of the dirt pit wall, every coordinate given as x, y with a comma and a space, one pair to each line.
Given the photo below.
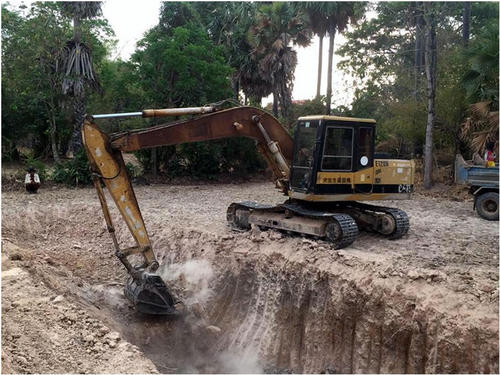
260, 302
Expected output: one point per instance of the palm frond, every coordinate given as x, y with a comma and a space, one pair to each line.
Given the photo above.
480, 109
76, 66
82, 9
481, 126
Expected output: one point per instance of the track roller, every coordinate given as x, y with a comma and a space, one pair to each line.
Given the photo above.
392, 223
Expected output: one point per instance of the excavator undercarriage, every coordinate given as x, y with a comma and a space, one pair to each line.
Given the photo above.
325, 171
338, 223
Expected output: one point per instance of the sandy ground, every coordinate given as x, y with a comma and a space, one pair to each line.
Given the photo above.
58, 268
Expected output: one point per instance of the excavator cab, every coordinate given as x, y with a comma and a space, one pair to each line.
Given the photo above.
329, 152
334, 161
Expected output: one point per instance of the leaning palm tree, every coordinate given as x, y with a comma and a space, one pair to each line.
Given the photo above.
277, 27
76, 66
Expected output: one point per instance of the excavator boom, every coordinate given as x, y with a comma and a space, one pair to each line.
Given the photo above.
145, 288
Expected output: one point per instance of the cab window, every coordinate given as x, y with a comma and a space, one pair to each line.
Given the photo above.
305, 141
337, 151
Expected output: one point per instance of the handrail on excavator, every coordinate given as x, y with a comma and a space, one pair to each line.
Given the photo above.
148, 113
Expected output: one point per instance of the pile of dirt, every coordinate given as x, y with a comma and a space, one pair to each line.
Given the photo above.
254, 301
47, 332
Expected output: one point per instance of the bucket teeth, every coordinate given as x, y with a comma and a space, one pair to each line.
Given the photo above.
150, 295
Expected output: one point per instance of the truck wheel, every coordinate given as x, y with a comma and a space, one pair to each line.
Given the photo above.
487, 206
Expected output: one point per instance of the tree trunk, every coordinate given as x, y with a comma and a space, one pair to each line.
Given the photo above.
466, 23
330, 71
53, 142
285, 95
430, 71
320, 66
236, 88
419, 46
275, 102
76, 29
75, 143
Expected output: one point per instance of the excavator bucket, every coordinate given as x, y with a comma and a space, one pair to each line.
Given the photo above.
150, 295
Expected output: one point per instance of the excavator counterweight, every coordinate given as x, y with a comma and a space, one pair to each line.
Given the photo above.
325, 171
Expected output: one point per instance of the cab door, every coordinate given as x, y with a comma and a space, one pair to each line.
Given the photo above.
301, 178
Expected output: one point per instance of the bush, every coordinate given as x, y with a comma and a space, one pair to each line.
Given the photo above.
132, 170
73, 172
206, 160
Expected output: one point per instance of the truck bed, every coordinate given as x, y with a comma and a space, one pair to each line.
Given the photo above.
475, 175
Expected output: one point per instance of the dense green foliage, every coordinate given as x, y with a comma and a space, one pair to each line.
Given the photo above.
73, 172
32, 104
383, 54
204, 52
179, 66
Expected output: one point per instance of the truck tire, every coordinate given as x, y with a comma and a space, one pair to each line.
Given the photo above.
487, 206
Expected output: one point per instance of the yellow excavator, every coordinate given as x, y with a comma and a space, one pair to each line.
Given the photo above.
325, 171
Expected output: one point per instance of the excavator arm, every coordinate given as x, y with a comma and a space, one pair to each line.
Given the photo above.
146, 289
273, 141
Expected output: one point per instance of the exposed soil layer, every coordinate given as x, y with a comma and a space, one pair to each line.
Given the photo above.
254, 301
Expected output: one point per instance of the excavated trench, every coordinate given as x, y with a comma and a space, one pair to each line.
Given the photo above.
254, 305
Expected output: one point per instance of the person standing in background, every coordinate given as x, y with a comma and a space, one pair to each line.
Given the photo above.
32, 181
489, 155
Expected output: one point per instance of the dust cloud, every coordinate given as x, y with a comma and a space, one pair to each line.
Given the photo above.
194, 281
240, 362
193, 277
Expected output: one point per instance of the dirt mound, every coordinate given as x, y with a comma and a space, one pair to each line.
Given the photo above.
47, 332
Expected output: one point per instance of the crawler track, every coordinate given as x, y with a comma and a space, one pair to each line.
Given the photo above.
347, 231
402, 222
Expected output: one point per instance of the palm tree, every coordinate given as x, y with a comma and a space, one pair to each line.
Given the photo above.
318, 24
481, 126
338, 16
481, 85
481, 79
277, 26
77, 67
